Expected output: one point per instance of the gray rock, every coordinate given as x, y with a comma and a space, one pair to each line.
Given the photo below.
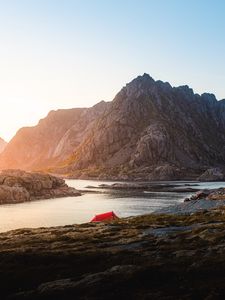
192, 206
165, 172
213, 174
151, 124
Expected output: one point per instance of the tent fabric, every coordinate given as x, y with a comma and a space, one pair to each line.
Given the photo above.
105, 217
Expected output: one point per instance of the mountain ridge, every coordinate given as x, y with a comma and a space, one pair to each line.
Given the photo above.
150, 130
147, 104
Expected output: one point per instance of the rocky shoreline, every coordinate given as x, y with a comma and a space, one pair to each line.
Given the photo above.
147, 257
202, 200
157, 256
19, 186
147, 174
160, 173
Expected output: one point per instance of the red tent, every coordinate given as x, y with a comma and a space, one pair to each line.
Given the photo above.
105, 217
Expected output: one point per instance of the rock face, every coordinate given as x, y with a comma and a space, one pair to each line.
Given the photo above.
51, 141
150, 130
210, 194
165, 172
154, 126
20, 186
3, 144
202, 200
213, 174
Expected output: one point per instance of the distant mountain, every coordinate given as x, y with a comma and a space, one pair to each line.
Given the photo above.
51, 140
150, 130
2, 145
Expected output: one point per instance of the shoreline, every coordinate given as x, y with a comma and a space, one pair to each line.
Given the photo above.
123, 192
129, 257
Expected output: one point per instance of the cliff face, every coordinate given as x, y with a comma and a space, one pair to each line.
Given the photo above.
149, 127
76, 134
34, 146
49, 142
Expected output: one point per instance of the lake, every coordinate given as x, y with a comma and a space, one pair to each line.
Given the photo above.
71, 210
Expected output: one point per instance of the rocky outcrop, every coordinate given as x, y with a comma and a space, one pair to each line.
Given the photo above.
20, 186
213, 174
165, 172
209, 194
3, 144
202, 200
13, 194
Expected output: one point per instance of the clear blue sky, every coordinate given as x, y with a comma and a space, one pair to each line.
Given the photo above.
66, 53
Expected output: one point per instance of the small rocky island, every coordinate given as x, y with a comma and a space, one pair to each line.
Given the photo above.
19, 186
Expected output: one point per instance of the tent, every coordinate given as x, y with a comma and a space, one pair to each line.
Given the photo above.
105, 217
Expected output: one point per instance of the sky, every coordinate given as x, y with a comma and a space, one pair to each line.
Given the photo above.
74, 53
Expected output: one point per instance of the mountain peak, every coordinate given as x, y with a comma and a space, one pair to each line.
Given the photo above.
209, 97
142, 84
145, 77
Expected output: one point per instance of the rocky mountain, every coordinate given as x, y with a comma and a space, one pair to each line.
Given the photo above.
51, 140
155, 130
2, 145
150, 130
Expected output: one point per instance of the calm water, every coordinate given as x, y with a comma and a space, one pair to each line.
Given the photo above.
81, 209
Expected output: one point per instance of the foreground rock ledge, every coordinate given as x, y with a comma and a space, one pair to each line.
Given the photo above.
19, 186
146, 257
